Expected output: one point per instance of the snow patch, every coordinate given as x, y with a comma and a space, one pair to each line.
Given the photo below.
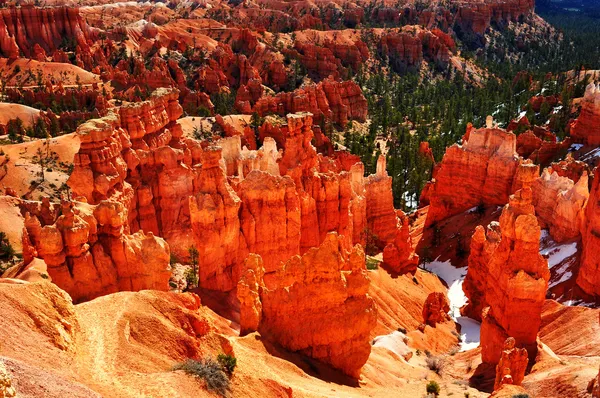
591, 155
576, 147
558, 253
454, 278
393, 342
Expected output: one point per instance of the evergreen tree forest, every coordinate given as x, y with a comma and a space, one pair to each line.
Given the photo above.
405, 110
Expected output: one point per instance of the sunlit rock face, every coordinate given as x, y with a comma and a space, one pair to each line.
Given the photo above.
509, 279
589, 273
480, 172
318, 304
585, 129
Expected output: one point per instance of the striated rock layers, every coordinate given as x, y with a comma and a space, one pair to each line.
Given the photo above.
509, 279
318, 304
585, 129
32, 31
512, 365
480, 172
89, 251
589, 272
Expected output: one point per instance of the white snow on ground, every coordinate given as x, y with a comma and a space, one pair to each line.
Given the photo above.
557, 254
592, 154
393, 342
454, 277
576, 147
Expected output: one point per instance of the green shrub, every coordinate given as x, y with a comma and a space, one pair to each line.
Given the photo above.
228, 362
433, 388
191, 277
372, 264
208, 370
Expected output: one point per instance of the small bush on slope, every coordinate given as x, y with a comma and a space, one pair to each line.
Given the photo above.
433, 388
228, 362
436, 364
208, 370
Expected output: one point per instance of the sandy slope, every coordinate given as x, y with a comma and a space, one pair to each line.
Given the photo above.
20, 171
12, 111
53, 72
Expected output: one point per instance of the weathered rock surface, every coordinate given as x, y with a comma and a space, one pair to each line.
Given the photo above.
513, 286
225, 200
594, 387
89, 252
483, 245
32, 30
6, 388
388, 228
480, 172
512, 365
318, 304
435, 309
589, 272
559, 204
336, 101
248, 292
585, 129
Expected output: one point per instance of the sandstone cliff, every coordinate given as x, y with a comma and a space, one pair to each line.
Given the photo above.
480, 172
318, 304
585, 128
511, 287
89, 251
589, 272
28, 30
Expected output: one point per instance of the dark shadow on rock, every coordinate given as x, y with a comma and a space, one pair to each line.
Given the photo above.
310, 366
483, 378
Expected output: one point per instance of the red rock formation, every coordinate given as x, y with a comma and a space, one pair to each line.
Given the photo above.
589, 272
248, 292
570, 168
6, 388
435, 309
27, 30
512, 365
483, 245
517, 281
318, 304
537, 101
89, 251
336, 101
476, 17
387, 227
559, 204
585, 128
270, 217
481, 171
176, 189
527, 143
